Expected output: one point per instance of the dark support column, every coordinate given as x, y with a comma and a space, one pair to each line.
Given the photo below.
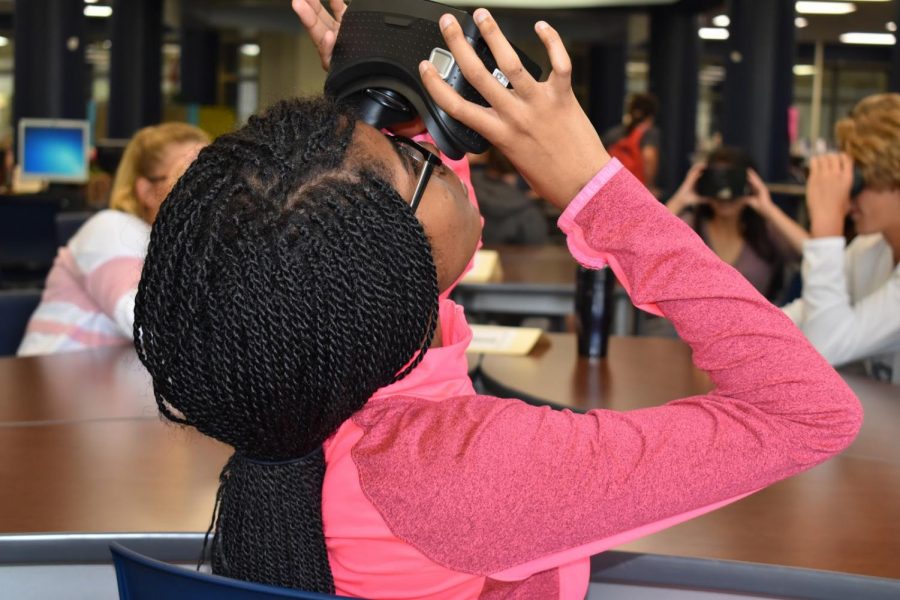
759, 82
674, 66
606, 84
894, 83
135, 99
50, 73
199, 64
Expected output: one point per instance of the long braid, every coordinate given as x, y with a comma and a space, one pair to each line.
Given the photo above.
282, 287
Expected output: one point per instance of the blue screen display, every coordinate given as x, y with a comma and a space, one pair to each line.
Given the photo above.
51, 152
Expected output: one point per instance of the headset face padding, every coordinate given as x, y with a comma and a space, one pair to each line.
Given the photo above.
375, 65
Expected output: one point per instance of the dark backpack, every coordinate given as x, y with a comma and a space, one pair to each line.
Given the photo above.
628, 151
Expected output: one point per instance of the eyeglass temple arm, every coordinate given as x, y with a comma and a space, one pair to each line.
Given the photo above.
420, 186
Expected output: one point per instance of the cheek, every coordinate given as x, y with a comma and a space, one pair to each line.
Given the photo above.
454, 227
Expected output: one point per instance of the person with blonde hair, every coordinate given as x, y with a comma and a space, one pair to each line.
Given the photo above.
850, 307
88, 298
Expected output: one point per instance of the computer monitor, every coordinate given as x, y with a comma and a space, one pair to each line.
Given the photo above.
53, 150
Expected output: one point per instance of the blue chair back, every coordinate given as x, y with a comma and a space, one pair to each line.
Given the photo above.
27, 239
16, 307
143, 578
67, 223
28, 229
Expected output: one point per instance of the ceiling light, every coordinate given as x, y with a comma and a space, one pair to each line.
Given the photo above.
4, 41
713, 33
102, 12
800, 22
90, 1
250, 49
825, 8
875, 39
890, 26
721, 21
804, 70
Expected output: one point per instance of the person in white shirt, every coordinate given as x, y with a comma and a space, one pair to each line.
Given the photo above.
850, 306
88, 298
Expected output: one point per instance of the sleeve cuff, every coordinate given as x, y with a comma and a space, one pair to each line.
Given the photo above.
825, 243
566, 220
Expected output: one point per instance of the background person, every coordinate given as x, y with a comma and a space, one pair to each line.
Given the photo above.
746, 230
636, 142
88, 298
295, 324
850, 305
512, 215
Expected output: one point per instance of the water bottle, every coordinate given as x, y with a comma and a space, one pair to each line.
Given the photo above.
593, 310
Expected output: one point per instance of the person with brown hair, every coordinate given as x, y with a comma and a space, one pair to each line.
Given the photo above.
744, 227
850, 307
89, 295
636, 142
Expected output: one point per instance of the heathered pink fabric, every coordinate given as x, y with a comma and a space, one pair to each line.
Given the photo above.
468, 490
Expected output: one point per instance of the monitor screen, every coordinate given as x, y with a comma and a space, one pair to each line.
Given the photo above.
54, 150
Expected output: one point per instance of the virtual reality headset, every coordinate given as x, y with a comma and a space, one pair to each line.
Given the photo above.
375, 65
723, 183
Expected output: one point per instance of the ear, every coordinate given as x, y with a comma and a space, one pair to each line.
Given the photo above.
142, 190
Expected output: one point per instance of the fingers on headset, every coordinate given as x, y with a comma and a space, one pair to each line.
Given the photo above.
468, 113
470, 65
504, 54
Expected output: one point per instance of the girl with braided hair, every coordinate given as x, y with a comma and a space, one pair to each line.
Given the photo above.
289, 307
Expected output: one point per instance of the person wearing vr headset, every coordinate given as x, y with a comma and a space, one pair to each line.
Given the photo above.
728, 205
850, 304
289, 307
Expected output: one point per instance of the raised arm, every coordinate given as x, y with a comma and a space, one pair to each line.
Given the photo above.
777, 407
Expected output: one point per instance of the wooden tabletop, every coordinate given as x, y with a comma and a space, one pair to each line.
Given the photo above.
843, 515
106, 383
83, 450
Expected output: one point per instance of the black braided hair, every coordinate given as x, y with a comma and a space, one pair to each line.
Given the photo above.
286, 281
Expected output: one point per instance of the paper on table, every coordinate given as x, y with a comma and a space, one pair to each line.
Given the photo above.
485, 268
494, 339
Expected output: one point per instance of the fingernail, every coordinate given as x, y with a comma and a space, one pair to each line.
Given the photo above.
541, 25
446, 21
424, 66
481, 15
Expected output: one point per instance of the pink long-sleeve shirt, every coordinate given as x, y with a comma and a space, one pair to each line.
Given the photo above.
434, 492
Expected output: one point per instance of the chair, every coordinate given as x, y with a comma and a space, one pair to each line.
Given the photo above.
67, 223
16, 307
143, 578
27, 238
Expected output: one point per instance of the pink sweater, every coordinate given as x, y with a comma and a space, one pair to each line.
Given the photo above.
434, 492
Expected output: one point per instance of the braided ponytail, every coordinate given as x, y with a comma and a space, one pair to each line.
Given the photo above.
282, 288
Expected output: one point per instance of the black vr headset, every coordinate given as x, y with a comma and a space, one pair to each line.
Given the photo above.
375, 65
723, 183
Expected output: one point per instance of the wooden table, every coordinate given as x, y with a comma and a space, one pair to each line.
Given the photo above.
82, 450
843, 515
101, 384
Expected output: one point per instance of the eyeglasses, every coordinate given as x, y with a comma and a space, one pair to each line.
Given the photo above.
423, 162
